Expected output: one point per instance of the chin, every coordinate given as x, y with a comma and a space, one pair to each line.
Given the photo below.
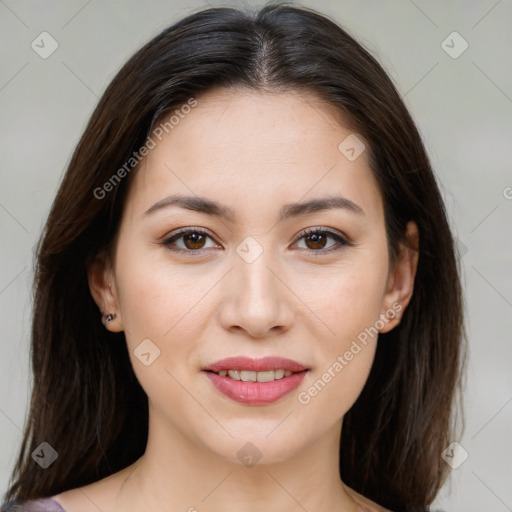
250, 449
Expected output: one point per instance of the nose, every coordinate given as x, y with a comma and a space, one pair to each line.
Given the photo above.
255, 300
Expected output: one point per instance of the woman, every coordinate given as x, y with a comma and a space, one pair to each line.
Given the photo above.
252, 215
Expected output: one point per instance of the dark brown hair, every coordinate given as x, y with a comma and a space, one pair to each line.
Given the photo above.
86, 401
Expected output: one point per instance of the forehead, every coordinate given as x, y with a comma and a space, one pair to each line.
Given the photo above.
257, 146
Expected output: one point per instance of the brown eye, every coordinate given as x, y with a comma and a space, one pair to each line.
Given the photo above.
189, 240
317, 241
194, 240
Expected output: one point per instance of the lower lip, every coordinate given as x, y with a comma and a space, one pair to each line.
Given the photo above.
256, 393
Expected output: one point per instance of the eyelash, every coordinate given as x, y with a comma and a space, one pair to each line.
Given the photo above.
342, 242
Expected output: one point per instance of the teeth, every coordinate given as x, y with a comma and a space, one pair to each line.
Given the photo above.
234, 374
249, 376
278, 374
265, 376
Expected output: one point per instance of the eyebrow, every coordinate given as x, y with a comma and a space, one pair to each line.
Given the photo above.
215, 209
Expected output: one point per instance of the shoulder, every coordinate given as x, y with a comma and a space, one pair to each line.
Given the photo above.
40, 505
97, 496
364, 504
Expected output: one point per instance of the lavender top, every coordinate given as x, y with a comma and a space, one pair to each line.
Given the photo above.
41, 505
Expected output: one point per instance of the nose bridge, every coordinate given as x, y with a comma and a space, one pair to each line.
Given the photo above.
257, 284
258, 301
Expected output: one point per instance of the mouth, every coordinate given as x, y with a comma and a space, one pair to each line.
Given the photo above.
255, 381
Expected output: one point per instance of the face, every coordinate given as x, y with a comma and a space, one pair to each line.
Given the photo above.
254, 275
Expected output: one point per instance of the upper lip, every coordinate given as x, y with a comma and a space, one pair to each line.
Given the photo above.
256, 365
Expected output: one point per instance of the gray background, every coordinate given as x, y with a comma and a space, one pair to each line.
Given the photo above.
462, 105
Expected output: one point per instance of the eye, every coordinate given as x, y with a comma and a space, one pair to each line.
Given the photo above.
189, 240
316, 240
192, 240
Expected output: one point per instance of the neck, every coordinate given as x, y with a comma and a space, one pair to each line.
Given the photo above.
176, 473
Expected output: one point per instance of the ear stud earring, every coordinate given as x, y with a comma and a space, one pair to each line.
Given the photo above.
108, 318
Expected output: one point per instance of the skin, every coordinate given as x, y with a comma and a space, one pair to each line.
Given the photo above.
253, 153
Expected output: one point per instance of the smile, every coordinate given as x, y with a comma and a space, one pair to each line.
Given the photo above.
255, 381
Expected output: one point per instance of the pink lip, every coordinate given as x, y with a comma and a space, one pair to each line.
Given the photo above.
255, 365
255, 393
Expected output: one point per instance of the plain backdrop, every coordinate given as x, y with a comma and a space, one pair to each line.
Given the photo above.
462, 103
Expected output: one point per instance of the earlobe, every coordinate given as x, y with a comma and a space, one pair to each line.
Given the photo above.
400, 286
100, 278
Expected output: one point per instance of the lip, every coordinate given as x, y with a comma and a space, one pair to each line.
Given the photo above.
255, 393
255, 365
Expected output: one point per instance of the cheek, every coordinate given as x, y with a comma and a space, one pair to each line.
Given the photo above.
166, 305
156, 297
348, 303
346, 300
161, 313
332, 390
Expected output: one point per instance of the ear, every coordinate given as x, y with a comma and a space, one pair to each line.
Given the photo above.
102, 286
400, 285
